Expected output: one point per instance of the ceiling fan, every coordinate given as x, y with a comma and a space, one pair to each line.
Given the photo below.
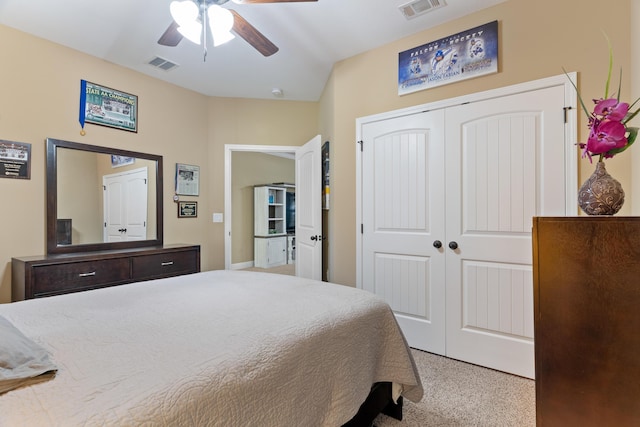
201, 13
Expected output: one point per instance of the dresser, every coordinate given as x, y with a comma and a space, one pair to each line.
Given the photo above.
587, 321
40, 276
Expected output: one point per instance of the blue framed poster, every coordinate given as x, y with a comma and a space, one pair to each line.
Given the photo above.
461, 56
104, 106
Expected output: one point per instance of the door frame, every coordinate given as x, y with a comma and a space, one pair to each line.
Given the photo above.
228, 151
570, 134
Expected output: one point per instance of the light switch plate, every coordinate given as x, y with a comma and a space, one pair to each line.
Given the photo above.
217, 217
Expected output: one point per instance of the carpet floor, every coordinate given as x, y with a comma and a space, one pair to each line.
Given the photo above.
459, 394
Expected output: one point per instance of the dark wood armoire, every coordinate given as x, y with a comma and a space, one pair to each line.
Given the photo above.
586, 273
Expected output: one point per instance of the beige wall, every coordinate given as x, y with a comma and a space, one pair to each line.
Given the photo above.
39, 90
249, 169
39, 87
251, 122
79, 199
39, 95
537, 39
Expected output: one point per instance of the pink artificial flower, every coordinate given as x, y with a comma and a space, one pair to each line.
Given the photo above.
604, 136
611, 109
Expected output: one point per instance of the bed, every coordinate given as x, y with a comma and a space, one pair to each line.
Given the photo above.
228, 348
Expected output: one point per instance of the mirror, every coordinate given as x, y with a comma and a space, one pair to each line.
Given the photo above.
101, 198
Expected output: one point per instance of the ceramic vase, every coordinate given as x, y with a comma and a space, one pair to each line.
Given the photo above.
601, 194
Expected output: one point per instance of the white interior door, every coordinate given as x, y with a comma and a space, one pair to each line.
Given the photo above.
505, 164
403, 217
125, 206
309, 210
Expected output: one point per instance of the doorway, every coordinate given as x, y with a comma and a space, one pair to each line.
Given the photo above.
239, 227
308, 206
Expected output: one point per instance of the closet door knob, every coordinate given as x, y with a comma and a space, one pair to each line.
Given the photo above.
437, 244
453, 245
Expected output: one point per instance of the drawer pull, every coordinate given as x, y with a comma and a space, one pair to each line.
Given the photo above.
164, 264
93, 273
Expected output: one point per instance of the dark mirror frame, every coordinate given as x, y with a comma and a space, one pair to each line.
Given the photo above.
52, 199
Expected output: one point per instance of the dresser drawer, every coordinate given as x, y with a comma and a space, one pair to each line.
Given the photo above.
63, 278
165, 264
40, 276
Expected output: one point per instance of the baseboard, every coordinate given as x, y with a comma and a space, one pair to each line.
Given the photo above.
242, 265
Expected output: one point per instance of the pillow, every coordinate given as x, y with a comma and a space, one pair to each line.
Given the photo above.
22, 361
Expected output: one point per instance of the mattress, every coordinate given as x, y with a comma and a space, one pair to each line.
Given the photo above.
217, 348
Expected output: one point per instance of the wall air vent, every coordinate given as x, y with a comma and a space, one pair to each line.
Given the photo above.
163, 64
420, 7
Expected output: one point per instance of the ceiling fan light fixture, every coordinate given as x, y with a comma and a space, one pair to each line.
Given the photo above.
192, 32
220, 23
222, 38
184, 12
222, 28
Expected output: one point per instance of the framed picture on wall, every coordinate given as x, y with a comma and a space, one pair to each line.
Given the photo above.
187, 209
104, 106
187, 179
117, 161
464, 55
15, 160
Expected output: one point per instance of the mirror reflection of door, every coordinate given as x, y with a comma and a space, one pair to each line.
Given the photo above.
125, 206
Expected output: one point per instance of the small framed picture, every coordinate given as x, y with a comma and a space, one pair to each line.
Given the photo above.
187, 179
187, 209
15, 160
117, 161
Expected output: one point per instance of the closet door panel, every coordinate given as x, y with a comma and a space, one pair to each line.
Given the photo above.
496, 183
403, 207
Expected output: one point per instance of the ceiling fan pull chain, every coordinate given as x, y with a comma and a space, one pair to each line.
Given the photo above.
203, 10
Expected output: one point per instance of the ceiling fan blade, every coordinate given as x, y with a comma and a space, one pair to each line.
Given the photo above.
270, 1
254, 37
171, 36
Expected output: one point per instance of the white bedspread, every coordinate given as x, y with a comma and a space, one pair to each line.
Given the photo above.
215, 348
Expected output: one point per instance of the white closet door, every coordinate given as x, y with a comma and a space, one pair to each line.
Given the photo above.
471, 173
403, 215
114, 210
125, 206
505, 163
137, 195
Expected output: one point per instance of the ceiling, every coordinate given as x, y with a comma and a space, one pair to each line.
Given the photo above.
311, 36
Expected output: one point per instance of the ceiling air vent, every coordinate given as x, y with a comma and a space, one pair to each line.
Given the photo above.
419, 7
163, 64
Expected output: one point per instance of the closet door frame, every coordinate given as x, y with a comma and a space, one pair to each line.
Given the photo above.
512, 102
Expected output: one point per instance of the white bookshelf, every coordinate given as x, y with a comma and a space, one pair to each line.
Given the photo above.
270, 226
269, 211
